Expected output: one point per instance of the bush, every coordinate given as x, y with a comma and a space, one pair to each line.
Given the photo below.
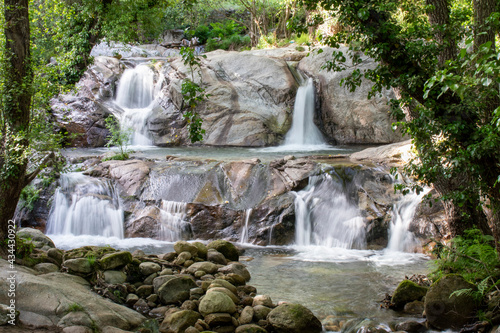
29, 195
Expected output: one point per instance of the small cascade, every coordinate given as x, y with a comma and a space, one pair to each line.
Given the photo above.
400, 238
85, 205
244, 230
135, 96
325, 217
172, 221
303, 130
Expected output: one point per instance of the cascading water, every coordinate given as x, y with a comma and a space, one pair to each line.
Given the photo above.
85, 206
304, 132
135, 96
172, 223
324, 216
244, 230
400, 238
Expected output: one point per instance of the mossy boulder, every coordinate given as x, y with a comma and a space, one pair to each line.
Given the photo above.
216, 302
407, 291
293, 318
36, 237
176, 290
177, 322
202, 250
445, 312
183, 246
250, 328
79, 265
115, 260
226, 248
96, 252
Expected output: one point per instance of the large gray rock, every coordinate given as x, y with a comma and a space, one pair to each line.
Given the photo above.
60, 292
176, 290
349, 117
445, 312
293, 318
36, 237
216, 302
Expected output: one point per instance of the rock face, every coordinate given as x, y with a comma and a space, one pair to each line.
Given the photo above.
445, 312
251, 99
60, 292
346, 117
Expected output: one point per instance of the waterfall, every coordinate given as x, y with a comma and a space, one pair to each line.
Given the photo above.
172, 220
135, 96
304, 131
324, 216
85, 206
400, 238
244, 230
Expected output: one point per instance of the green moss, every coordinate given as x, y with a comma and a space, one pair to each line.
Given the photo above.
96, 252
407, 291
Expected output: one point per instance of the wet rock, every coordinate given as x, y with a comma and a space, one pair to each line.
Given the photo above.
236, 268
293, 318
216, 257
205, 266
260, 312
148, 268
224, 284
223, 290
141, 306
250, 328
444, 312
144, 291
407, 291
415, 307
183, 258
45, 268
263, 300
176, 290
115, 260
160, 280
114, 277
202, 250
216, 302
411, 326
79, 265
183, 246
131, 299
246, 316
177, 322
228, 249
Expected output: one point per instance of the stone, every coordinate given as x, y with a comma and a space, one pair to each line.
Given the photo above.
246, 289
196, 293
166, 271
36, 237
228, 249
55, 254
445, 312
77, 329
115, 260
191, 329
176, 290
250, 328
77, 318
131, 299
79, 265
144, 290
224, 284
223, 290
263, 300
141, 306
415, 307
138, 254
150, 278
411, 326
45, 268
216, 257
110, 329
189, 305
148, 268
177, 322
183, 246
236, 268
205, 266
160, 280
216, 302
115, 277
218, 319
260, 312
183, 258
202, 250
293, 318
246, 316
235, 279
407, 291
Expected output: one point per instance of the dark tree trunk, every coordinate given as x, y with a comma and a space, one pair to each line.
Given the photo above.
439, 18
483, 32
16, 108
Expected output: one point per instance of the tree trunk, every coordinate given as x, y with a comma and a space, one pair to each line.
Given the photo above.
16, 108
483, 32
439, 18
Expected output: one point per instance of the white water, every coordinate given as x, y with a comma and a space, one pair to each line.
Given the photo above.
85, 206
244, 230
400, 238
304, 132
135, 96
172, 220
325, 217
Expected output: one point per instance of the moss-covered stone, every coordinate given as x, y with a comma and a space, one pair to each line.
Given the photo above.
293, 318
407, 291
96, 252
226, 248
445, 312
179, 321
202, 250
115, 260
183, 246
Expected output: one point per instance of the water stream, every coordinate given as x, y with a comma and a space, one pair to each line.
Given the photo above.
135, 95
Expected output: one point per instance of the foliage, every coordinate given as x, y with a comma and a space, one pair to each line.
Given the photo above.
472, 256
29, 195
118, 137
193, 94
24, 248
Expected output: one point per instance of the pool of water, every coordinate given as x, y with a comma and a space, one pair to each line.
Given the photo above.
220, 153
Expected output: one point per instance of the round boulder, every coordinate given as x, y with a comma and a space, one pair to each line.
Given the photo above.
445, 312
229, 251
216, 302
407, 291
183, 246
36, 237
236, 268
176, 290
115, 260
177, 322
148, 268
294, 318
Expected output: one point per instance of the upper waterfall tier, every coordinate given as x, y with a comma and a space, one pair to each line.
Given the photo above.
135, 89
